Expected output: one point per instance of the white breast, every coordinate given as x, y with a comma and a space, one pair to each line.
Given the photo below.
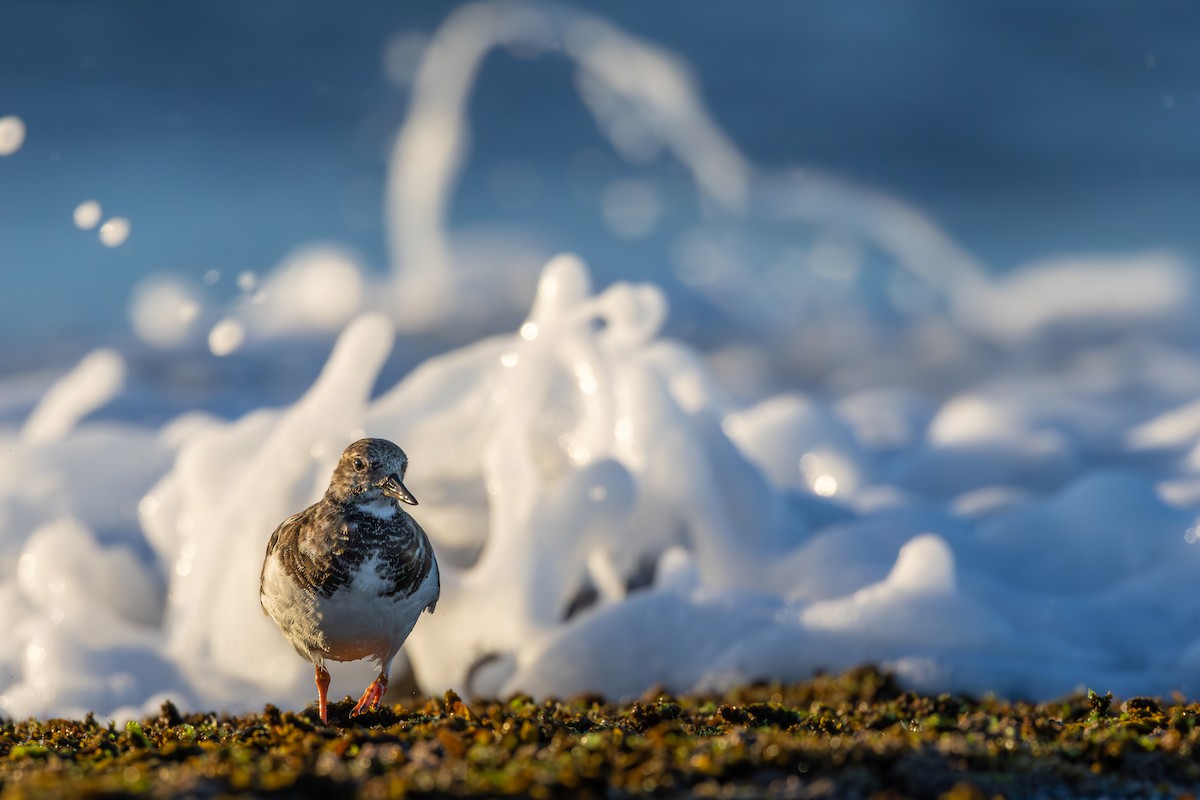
357, 621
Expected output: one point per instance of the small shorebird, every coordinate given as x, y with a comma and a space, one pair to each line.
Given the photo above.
347, 577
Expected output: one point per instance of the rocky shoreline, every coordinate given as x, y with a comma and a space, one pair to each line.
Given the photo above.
854, 735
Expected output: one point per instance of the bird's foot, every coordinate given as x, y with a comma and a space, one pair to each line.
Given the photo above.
371, 697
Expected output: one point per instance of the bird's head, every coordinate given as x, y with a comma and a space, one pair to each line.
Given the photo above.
368, 470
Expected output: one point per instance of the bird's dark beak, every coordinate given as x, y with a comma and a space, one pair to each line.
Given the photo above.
392, 486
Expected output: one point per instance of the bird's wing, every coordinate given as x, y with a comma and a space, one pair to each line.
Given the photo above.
308, 546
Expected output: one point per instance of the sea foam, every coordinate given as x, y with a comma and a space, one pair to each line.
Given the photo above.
857, 446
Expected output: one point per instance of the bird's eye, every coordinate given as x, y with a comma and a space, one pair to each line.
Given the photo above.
359, 464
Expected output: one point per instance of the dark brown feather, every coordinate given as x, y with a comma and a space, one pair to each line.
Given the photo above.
323, 547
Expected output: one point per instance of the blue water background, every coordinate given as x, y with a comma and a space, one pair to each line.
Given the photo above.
231, 132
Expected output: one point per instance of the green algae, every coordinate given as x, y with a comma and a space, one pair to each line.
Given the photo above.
853, 735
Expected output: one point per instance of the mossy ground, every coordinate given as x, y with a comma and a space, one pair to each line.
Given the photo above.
853, 735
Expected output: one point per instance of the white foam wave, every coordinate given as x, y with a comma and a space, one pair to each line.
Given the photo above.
984, 484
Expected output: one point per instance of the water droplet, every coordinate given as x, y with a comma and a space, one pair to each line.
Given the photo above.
87, 215
226, 337
12, 135
114, 232
163, 310
148, 505
825, 485
579, 454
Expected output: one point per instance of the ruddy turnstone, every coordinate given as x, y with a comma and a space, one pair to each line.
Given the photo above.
347, 577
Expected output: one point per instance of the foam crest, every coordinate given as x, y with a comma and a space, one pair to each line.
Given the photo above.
91, 384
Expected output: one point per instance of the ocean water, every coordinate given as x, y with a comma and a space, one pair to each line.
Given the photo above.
722, 350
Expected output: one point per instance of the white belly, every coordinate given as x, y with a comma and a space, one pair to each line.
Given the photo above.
355, 622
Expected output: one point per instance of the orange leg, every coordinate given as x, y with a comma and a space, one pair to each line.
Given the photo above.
371, 697
322, 692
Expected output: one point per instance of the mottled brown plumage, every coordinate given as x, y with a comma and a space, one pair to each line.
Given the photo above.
347, 577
